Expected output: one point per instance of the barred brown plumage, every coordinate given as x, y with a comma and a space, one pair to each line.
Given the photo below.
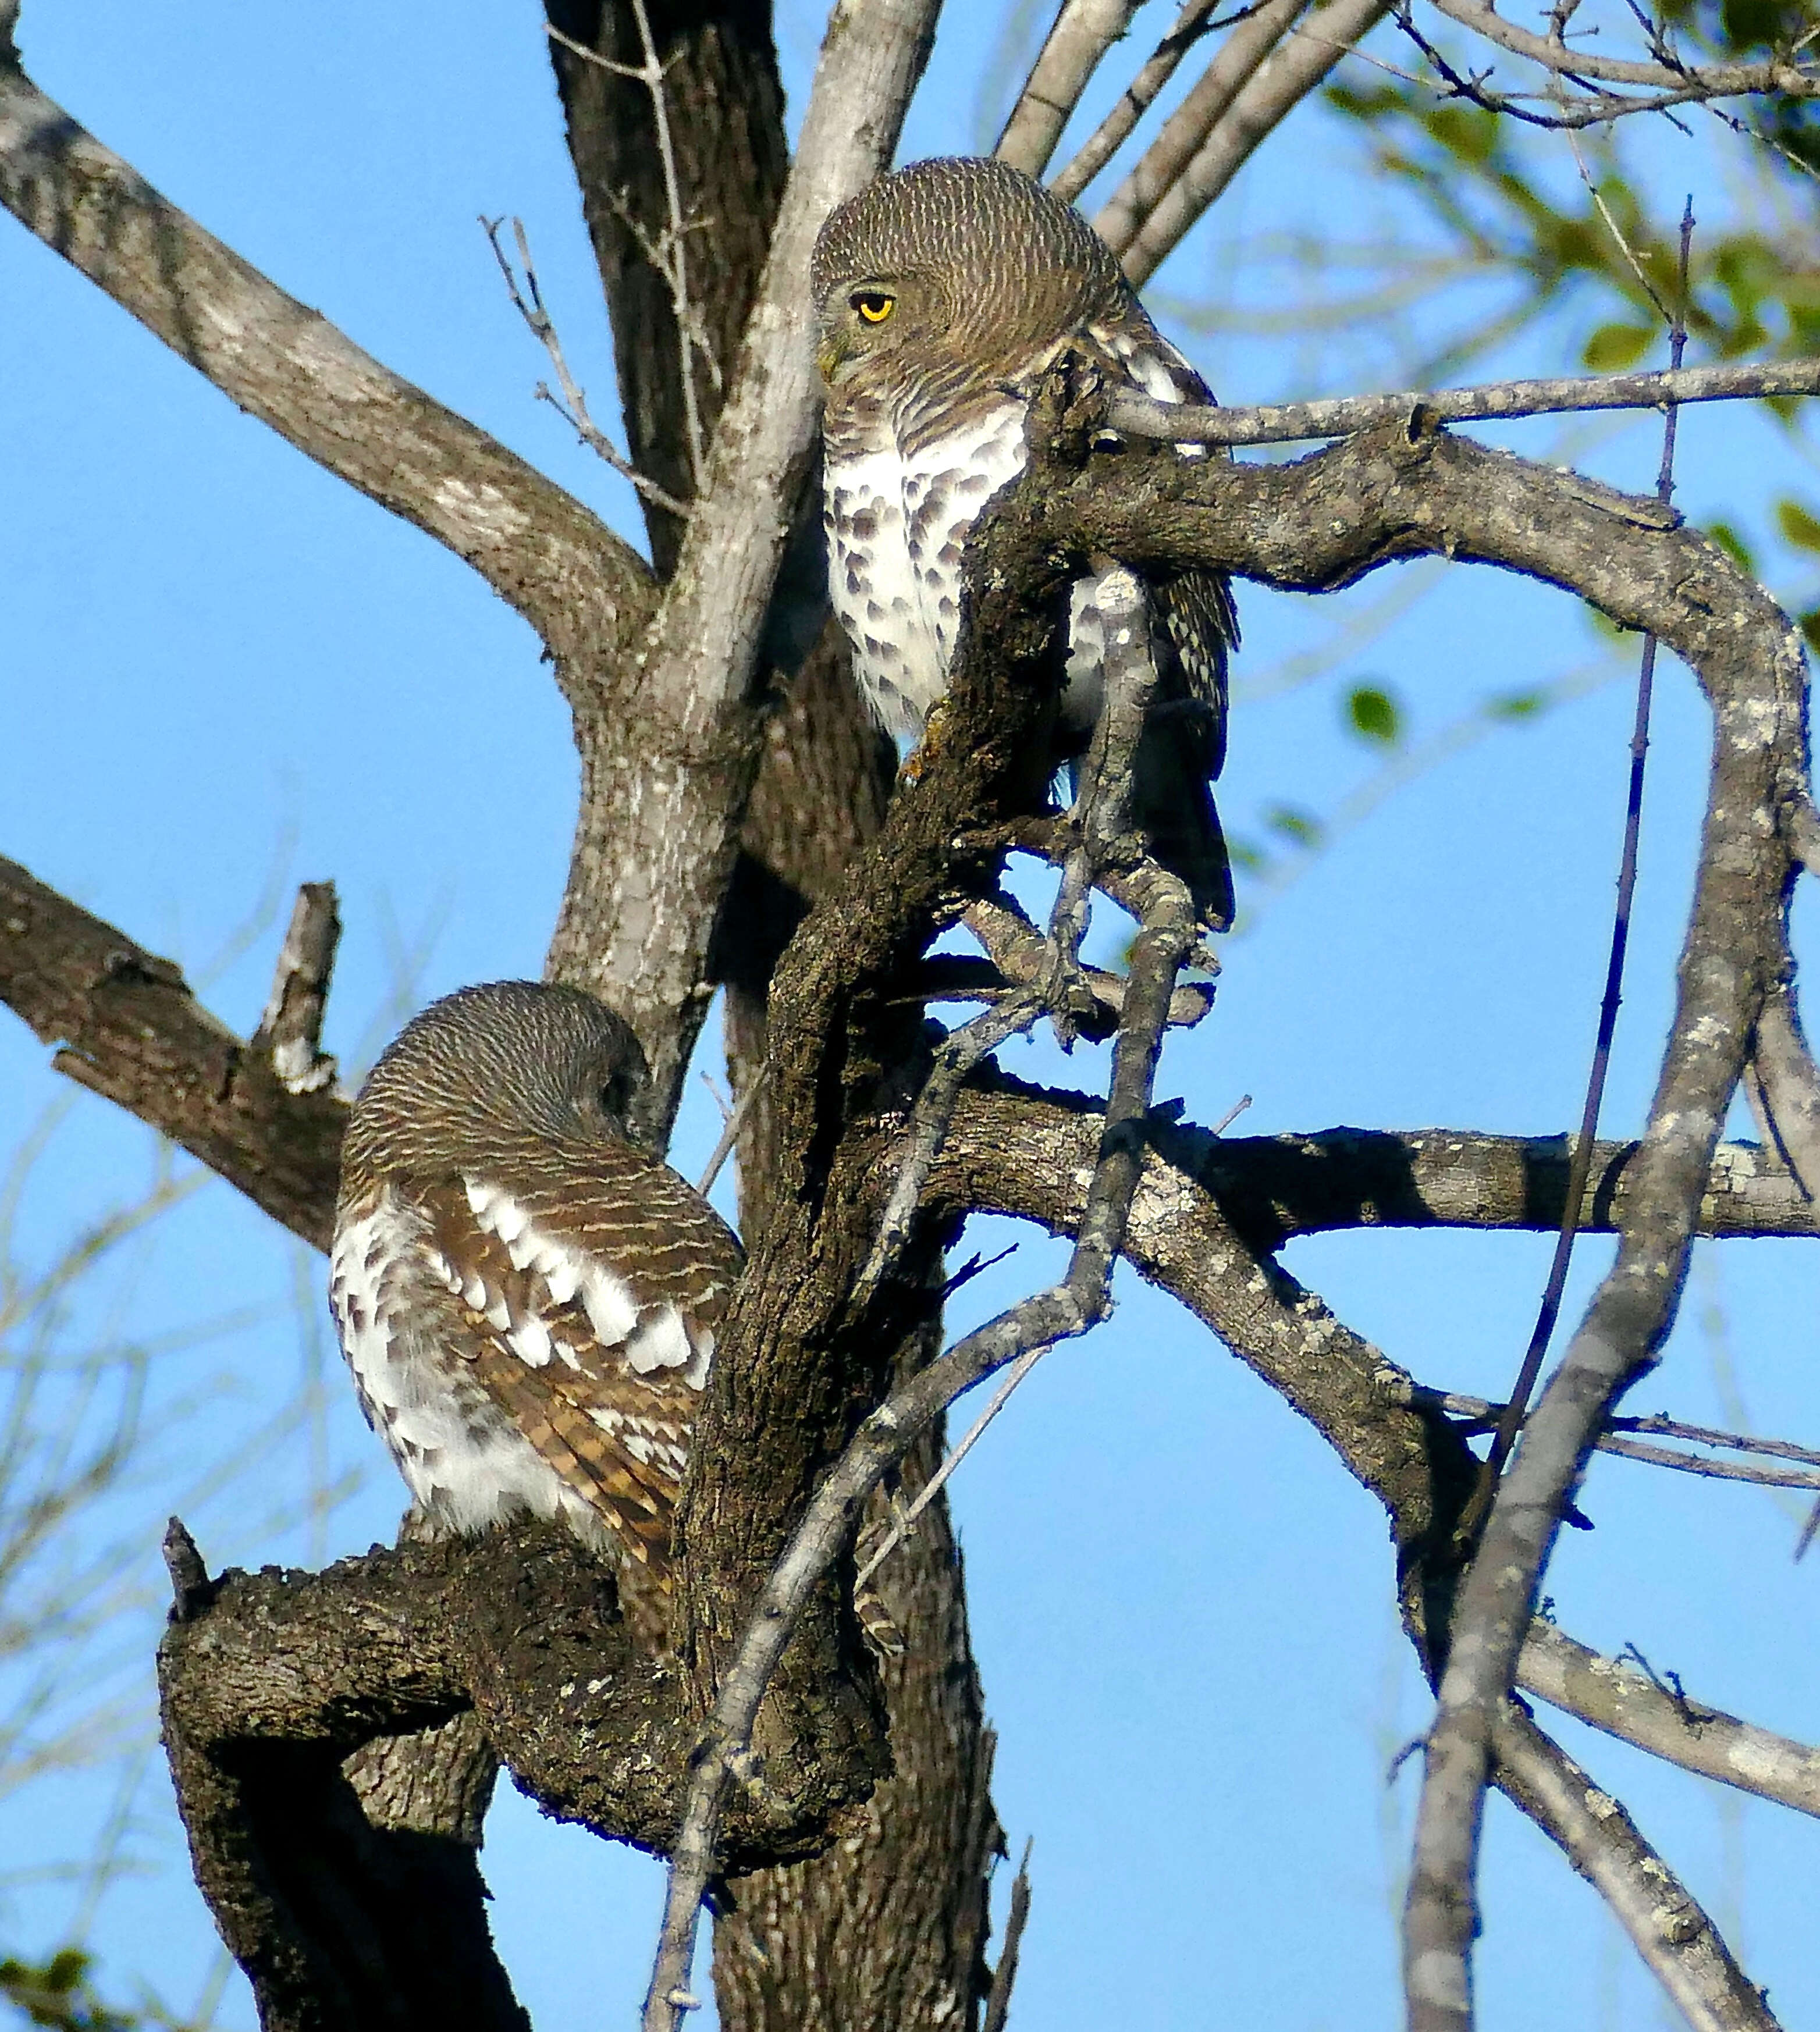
527, 1301
943, 293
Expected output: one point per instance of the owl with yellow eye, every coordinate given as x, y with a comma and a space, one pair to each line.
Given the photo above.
943, 292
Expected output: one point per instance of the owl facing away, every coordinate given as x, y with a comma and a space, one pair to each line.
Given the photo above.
528, 1301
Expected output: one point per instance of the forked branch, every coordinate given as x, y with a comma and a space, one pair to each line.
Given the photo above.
1077, 1303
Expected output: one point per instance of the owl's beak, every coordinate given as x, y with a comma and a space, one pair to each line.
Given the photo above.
829, 355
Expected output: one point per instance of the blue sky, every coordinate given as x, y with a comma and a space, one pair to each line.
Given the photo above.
223, 674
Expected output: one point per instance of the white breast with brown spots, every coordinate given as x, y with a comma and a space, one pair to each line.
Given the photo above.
897, 523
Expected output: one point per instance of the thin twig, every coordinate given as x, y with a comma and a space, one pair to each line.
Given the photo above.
904, 1521
1286, 423
956, 1056
676, 269
1231, 1115
730, 1131
1675, 319
572, 406
1482, 1414
1784, 1079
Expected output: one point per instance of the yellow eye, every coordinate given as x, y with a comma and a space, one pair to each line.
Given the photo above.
873, 305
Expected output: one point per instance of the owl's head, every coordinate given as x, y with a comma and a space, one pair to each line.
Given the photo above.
489, 1068
959, 262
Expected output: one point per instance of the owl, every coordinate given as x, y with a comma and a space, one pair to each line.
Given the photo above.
528, 1301
942, 294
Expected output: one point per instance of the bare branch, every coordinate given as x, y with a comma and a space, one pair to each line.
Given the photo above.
1678, 1942
1783, 1066
291, 1029
1107, 139
1232, 66
538, 548
1005, 1974
1617, 1438
1776, 76
662, 799
1547, 1311
1020, 955
572, 406
131, 1029
1617, 1698
673, 262
1734, 949
1151, 230
1284, 423
1166, 935
270, 1681
1083, 31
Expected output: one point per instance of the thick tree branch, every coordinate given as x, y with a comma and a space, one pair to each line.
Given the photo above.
1072, 1306
128, 1028
1414, 1460
1620, 1698
1078, 39
664, 789
132, 1031
537, 547
270, 1681
1735, 952
1678, 1944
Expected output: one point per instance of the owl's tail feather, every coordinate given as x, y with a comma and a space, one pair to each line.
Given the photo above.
1173, 806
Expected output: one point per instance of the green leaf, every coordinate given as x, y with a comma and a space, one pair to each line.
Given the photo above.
1247, 858
1301, 827
1802, 529
1810, 625
1614, 347
1374, 716
1517, 705
1732, 544
65, 1969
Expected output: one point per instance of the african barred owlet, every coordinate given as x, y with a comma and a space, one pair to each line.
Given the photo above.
528, 1301
943, 292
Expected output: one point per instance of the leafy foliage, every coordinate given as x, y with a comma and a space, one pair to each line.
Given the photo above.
59, 1994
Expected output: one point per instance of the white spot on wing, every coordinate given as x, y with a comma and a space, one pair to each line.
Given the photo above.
463, 1459
661, 1341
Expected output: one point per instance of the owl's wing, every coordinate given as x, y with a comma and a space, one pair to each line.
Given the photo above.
587, 1310
1183, 747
